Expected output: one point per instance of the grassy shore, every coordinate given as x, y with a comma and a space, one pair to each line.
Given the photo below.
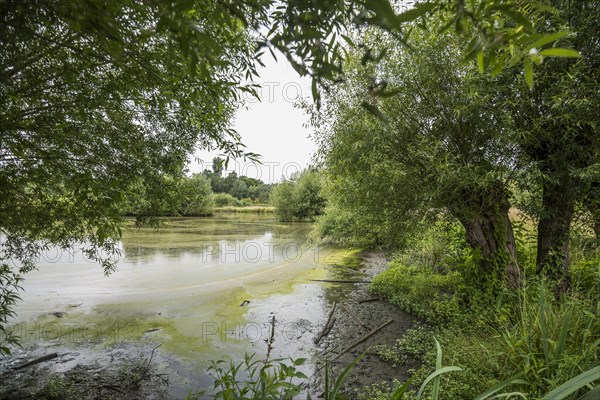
246, 209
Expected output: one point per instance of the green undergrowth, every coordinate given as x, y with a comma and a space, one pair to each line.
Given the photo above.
491, 336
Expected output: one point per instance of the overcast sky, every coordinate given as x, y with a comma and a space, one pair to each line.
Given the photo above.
272, 127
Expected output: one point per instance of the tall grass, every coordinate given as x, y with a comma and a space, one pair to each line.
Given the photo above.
549, 340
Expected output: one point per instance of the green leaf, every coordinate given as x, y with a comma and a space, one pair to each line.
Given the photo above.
543, 326
435, 374
385, 16
300, 375
438, 366
510, 381
481, 62
549, 38
340, 379
593, 394
299, 361
417, 11
398, 394
528, 72
517, 17
563, 335
499, 65
560, 52
473, 49
573, 385
509, 395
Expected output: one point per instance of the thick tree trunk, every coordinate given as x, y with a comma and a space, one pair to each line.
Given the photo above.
558, 202
489, 230
491, 233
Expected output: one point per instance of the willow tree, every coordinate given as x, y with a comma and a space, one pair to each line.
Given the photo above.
436, 144
558, 131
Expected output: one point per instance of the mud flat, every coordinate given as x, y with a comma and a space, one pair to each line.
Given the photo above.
347, 330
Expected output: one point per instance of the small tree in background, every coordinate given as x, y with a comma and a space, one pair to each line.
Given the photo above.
300, 198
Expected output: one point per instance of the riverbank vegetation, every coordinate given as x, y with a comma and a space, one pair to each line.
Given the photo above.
433, 122
484, 191
299, 198
526, 334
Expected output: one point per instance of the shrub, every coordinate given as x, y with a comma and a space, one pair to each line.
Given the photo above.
300, 198
430, 296
195, 196
225, 200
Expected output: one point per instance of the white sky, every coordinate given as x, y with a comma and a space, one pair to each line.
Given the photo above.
272, 127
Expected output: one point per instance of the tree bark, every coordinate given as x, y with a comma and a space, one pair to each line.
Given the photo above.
558, 203
489, 230
491, 233
591, 200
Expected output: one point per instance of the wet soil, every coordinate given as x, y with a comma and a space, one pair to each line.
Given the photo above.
346, 330
126, 371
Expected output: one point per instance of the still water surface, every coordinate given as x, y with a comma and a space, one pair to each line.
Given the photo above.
184, 286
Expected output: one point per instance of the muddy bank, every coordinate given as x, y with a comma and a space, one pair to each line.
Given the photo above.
348, 329
126, 371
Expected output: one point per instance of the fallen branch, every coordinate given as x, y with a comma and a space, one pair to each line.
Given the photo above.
150, 360
338, 281
328, 324
47, 357
355, 317
363, 338
116, 389
369, 300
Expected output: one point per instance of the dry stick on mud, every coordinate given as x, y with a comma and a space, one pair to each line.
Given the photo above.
355, 317
328, 324
363, 338
338, 281
111, 387
369, 300
150, 360
47, 357
271, 338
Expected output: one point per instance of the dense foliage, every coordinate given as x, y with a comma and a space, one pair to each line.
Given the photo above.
299, 198
451, 142
528, 334
183, 196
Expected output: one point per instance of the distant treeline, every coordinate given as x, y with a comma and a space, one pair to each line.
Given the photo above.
247, 191
195, 195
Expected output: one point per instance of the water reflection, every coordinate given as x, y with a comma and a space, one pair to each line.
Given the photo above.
223, 238
184, 285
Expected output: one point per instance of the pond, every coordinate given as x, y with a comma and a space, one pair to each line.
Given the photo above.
206, 288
